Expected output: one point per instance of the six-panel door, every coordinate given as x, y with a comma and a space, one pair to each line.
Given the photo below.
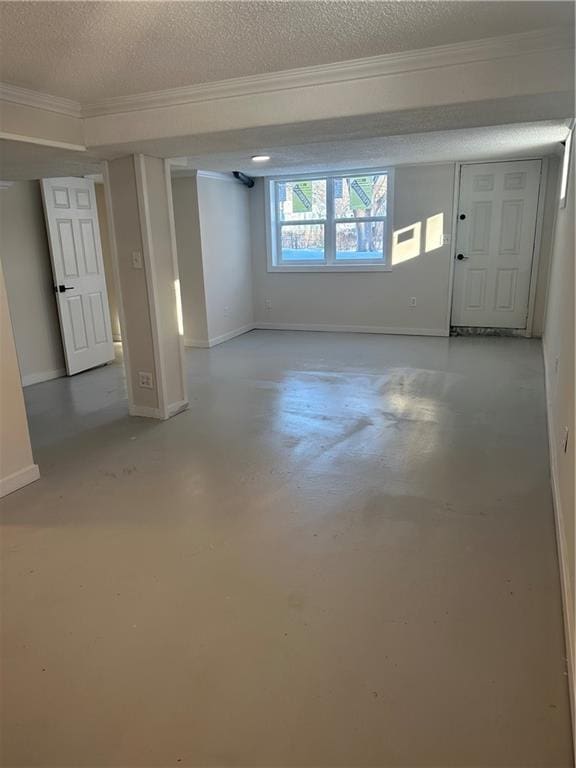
495, 243
78, 269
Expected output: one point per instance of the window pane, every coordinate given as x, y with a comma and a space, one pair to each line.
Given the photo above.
299, 200
356, 241
302, 242
358, 196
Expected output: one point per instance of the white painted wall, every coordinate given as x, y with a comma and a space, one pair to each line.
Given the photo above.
17, 466
224, 208
558, 345
212, 218
366, 301
29, 283
107, 259
189, 245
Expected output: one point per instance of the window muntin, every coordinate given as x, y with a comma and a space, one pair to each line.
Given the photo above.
330, 222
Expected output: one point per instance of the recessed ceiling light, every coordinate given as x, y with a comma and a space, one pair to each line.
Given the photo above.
260, 158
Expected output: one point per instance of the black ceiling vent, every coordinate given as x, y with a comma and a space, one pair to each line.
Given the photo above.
243, 179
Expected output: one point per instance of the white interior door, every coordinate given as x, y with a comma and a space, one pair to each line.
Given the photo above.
78, 269
495, 243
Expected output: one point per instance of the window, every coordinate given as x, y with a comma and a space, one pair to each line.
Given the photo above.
330, 222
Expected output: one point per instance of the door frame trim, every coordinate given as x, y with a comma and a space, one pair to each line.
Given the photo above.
455, 206
536, 248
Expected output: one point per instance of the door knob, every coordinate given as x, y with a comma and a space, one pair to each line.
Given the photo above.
62, 288
460, 256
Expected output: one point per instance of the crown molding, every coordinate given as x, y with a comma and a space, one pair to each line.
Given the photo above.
507, 46
356, 69
38, 100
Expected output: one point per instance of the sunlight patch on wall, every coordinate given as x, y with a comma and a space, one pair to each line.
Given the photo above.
434, 232
406, 243
179, 316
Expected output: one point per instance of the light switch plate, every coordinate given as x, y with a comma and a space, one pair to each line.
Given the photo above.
137, 260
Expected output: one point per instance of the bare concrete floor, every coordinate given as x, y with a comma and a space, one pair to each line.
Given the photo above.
342, 555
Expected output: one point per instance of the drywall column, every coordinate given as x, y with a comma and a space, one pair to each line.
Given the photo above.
139, 202
559, 362
17, 466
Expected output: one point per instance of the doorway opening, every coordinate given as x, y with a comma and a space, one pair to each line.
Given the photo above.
68, 342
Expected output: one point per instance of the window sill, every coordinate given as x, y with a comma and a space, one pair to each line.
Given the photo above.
332, 268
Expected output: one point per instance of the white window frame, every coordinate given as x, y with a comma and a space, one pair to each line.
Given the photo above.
330, 265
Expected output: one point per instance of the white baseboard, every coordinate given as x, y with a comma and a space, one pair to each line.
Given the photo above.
196, 343
565, 575
19, 479
215, 340
230, 335
178, 407
37, 378
351, 329
157, 413
145, 411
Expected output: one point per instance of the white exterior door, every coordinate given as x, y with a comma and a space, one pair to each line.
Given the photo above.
495, 243
78, 269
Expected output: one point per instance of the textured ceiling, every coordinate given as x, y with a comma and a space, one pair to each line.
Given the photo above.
28, 161
494, 142
92, 50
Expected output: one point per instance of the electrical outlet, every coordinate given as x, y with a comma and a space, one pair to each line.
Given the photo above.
137, 260
446, 239
268, 303
226, 311
145, 380
413, 301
